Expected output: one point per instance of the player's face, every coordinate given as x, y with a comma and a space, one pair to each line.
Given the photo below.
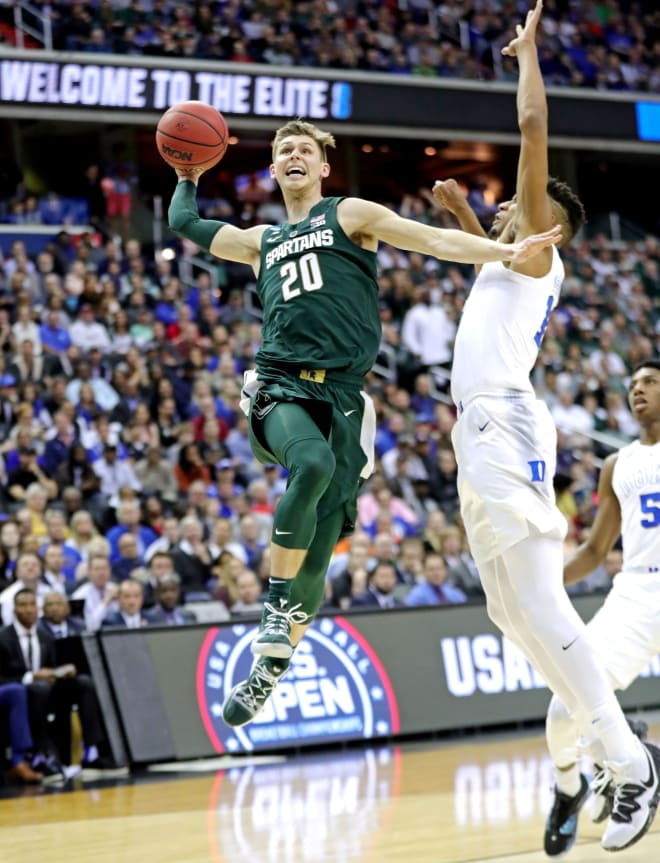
503, 218
644, 394
298, 163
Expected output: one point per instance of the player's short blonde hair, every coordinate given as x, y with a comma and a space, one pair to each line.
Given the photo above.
301, 127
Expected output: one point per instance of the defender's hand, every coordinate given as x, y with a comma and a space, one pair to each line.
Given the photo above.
526, 34
448, 194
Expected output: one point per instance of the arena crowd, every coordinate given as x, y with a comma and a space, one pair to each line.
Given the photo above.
606, 45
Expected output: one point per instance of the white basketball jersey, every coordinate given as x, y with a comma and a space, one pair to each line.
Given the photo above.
501, 329
636, 483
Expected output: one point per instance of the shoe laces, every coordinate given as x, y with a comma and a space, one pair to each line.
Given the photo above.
602, 783
625, 802
279, 620
257, 688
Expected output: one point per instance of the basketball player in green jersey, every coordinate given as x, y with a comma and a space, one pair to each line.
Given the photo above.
317, 285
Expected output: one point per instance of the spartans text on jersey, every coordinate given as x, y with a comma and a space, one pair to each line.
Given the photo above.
313, 240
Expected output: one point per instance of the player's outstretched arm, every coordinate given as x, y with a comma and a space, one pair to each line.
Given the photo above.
604, 532
534, 209
221, 239
369, 219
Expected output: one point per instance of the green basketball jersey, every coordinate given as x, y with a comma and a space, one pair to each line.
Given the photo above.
319, 295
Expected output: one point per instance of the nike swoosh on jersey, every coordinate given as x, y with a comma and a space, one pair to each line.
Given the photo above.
283, 532
348, 413
481, 428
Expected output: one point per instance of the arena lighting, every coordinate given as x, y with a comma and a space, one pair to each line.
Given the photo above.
367, 148
233, 140
168, 254
430, 151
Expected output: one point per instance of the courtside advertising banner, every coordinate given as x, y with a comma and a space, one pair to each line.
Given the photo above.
372, 675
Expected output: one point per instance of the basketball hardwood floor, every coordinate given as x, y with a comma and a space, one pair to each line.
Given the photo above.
481, 799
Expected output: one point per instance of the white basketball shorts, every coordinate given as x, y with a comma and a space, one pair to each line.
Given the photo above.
625, 631
506, 454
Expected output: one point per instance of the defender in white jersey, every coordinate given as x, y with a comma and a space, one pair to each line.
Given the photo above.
505, 444
626, 631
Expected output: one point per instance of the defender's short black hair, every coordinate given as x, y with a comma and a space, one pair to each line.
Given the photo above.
649, 364
565, 196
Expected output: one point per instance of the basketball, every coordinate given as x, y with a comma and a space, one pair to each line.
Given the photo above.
192, 135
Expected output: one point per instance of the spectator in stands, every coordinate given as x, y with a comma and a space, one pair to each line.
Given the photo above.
190, 467
461, 568
27, 658
28, 474
10, 540
104, 393
160, 564
249, 538
249, 590
82, 532
56, 619
36, 500
194, 558
118, 182
28, 572
433, 588
129, 615
26, 366
443, 483
427, 331
27, 653
170, 535
410, 562
77, 471
87, 333
155, 475
55, 338
167, 610
25, 328
59, 440
128, 558
53, 572
114, 474
129, 517
381, 584
98, 592
351, 580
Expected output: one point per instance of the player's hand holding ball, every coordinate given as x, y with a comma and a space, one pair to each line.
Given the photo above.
192, 137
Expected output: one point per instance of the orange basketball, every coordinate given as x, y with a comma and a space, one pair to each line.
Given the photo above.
192, 135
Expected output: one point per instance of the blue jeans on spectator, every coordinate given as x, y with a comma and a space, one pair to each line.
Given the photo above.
13, 696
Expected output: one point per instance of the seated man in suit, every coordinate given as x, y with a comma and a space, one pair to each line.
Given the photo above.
130, 599
27, 655
434, 588
56, 619
13, 698
381, 582
166, 611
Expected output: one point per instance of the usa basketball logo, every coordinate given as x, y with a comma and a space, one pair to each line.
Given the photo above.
335, 689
